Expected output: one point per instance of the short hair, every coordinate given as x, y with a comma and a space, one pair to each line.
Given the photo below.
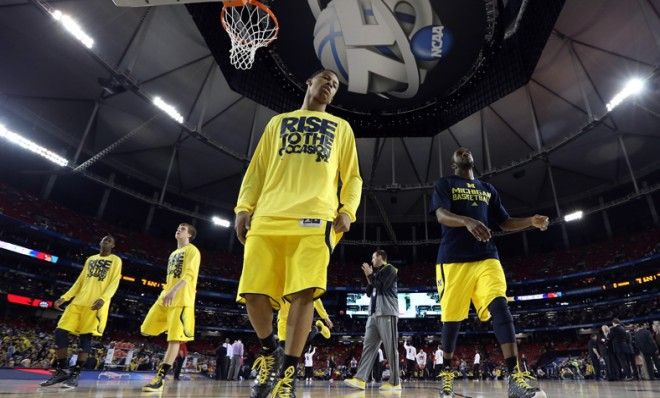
191, 230
382, 254
318, 72
616, 320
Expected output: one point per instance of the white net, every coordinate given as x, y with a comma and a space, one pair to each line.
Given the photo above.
249, 27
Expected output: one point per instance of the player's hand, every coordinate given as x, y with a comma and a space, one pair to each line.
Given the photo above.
242, 225
342, 223
58, 303
478, 230
328, 323
98, 304
368, 269
540, 222
168, 298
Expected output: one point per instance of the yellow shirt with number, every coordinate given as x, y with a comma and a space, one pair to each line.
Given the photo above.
183, 264
295, 171
99, 279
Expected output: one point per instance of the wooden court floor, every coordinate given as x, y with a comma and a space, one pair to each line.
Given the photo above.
323, 389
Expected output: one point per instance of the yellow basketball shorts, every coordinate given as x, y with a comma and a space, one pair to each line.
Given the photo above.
459, 283
279, 266
177, 322
79, 319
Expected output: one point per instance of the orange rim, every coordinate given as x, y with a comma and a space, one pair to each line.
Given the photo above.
242, 3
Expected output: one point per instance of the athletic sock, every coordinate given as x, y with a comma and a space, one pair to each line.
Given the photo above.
269, 344
511, 363
163, 369
290, 361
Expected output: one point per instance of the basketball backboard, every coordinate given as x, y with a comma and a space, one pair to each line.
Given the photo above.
150, 3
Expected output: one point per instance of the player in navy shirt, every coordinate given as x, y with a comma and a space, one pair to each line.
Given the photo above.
468, 267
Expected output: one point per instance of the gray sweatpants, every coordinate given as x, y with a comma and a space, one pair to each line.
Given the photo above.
380, 329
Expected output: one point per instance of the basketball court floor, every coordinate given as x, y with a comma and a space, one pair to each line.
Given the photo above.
323, 389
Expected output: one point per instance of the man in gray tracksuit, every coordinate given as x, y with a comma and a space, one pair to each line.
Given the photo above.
382, 322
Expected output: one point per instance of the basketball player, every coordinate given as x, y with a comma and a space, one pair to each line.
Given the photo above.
322, 326
288, 203
468, 266
174, 310
87, 314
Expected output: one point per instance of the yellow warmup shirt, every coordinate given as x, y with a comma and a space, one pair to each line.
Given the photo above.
99, 278
183, 264
294, 174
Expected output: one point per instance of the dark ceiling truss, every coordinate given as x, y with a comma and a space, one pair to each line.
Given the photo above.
565, 100
176, 69
410, 159
428, 160
45, 98
603, 50
510, 127
134, 87
213, 182
138, 29
139, 151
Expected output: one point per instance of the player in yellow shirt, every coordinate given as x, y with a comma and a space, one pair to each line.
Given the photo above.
322, 326
88, 312
288, 202
174, 311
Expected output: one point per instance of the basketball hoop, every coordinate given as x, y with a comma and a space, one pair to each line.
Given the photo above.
250, 25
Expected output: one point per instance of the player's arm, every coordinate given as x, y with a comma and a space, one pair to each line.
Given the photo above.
191, 261
253, 182
497, 214
351, 189
520, 223
75, 288
111, 289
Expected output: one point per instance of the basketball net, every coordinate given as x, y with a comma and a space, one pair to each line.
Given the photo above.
250, 25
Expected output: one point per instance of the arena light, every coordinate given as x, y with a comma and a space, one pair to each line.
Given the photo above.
74, 28
576, 215
632, 87
23, 142
221, 222
169, 109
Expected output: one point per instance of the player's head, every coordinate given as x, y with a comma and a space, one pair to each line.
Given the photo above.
322, 86
616, 321
462, 159
378, 258
185, 232
605, 329
107, 243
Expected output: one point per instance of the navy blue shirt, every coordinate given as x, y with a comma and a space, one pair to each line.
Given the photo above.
470, 198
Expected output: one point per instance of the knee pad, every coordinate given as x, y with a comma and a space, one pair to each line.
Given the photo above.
502, 321
61, 338
86, 343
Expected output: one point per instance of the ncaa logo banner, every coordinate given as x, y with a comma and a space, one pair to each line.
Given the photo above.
385, 52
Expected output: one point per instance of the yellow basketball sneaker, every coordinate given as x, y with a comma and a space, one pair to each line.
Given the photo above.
390, 387
356, 383
325, 332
